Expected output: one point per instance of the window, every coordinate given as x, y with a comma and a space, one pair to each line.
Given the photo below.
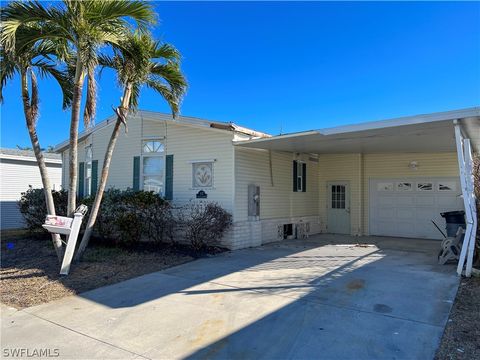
153, 165
202, 174
385, 186
447, 186
404, 186
88, 170
299, 176
338, 196
426, 186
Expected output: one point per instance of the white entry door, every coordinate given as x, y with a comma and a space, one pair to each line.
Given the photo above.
338, 214
406, 207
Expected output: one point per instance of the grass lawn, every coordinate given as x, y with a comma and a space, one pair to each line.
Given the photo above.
29, 273
461, 339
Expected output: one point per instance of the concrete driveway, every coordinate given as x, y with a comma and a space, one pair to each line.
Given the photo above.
322, 298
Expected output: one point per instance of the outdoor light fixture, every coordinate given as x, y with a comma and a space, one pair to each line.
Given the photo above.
413, 165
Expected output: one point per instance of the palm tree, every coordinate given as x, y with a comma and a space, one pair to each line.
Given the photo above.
139, 62
27, 61
84, 26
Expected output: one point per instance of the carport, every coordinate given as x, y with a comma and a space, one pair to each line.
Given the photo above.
400, 175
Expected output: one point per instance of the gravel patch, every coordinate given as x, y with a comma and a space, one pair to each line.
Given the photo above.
29, 272
461, 339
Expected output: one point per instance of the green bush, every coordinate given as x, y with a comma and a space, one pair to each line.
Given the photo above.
128, 217
34, 209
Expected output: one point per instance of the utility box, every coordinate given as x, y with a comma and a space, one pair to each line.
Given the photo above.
253, 202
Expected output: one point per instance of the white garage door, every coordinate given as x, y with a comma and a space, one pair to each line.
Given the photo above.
405, 207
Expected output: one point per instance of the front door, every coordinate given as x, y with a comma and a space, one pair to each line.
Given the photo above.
338, 215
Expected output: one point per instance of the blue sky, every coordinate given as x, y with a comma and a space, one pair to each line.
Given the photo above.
289, 67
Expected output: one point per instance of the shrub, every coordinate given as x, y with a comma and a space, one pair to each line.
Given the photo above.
205, 224
132, 216
34, 209
129, 216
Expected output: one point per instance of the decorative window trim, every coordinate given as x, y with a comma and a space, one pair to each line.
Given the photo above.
386, 186
195, 185
425, 186
402, 186
156, 154
447, 186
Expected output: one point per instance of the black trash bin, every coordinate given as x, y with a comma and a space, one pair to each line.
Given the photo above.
454, 220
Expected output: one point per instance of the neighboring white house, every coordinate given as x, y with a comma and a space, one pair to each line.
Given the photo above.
19, 172
388, 177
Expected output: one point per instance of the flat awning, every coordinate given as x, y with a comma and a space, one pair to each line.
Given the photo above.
421, 133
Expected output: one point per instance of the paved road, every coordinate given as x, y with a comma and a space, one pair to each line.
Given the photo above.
322, 298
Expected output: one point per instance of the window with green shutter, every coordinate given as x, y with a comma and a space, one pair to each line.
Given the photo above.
81, 179
94, 176
299, 176
169, 177
136, 173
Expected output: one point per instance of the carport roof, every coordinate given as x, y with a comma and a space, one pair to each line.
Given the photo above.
420, 133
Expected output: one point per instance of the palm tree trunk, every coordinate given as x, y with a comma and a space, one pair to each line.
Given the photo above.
47, 188
123, 109
73, 150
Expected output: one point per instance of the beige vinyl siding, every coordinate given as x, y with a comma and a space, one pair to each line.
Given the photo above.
16, 177
341, 167
277, 200
187, 143
358, 169
388, 166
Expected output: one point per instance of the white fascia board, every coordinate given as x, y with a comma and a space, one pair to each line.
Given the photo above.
407, 120
286, 136
158, 117
66, 143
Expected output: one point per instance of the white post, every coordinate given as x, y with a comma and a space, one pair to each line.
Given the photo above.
472, 205
71, 243
466, 194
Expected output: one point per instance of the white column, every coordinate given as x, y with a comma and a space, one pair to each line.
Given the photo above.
466, 181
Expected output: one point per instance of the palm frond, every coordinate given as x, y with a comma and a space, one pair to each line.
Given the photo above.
172, 75
165, 91
134, 97
17, 13
63, 78
103, 11
8, 69
165, 51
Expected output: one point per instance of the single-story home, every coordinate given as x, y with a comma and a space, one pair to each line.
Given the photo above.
19, 172
389, 177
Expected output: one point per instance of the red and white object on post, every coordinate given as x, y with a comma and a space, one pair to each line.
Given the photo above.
69, 227
58, 221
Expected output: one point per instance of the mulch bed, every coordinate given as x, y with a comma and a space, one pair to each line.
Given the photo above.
29, 268
461, 339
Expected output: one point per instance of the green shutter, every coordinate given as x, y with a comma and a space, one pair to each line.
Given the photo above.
304, 178
169, 177
136, 173
295, 176
94, 176
81, 180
